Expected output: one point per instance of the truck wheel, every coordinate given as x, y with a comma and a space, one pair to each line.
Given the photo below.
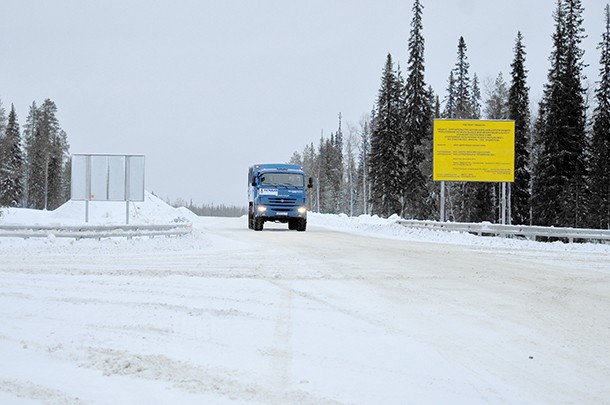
250, 225
258, 224
292, 224
302, 225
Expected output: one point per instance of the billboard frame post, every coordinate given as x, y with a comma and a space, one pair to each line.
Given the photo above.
87, 187
127, 191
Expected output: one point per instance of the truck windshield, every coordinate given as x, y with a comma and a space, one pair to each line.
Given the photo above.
283, 179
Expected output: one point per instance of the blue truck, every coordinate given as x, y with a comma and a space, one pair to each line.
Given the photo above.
277, 193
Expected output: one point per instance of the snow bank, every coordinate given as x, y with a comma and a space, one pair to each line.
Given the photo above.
152, 210
389, 228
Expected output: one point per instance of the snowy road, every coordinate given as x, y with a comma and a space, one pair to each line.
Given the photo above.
229, 315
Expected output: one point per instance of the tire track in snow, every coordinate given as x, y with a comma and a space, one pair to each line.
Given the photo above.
36, 392
191, 378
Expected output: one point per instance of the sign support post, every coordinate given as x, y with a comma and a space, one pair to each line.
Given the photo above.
442, 213
503, 205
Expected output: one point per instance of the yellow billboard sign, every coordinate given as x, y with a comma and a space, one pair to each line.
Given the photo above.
474, 150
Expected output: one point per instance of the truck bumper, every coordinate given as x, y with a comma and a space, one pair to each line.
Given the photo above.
269, 214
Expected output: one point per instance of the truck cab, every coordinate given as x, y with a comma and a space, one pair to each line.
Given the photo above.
277, 193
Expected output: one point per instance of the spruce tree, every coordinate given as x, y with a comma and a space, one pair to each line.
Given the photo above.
599, 205
459, 106
450, 110
2, 134
463, 86
33, 189
330, 173
46, 154
66, 185
55, 174
324, 184
468, 201
430, 209
2, 121
418, 128
386, 159
559, 185
481, 193
11, 163
475, 101
519, 111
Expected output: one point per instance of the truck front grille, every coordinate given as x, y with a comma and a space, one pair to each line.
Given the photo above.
282, 203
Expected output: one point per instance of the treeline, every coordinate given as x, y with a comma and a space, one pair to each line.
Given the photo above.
212, 210
35, 163
383, 165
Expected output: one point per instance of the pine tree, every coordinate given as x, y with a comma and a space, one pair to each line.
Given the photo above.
519, 111
559, 187
11, 163
386, 159
417, 124
599, 205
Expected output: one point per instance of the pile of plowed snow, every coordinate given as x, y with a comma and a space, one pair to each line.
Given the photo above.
152, 210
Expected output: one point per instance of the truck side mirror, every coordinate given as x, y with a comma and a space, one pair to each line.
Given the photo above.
310, 183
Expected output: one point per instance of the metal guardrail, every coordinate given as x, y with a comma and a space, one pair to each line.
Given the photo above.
528, 232
94, 231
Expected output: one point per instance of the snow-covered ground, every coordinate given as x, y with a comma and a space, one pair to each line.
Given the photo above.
355, 310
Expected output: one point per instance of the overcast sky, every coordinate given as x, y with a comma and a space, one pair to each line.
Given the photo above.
204, 88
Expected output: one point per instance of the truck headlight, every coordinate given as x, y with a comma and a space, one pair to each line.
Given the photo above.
302, 210
261, 208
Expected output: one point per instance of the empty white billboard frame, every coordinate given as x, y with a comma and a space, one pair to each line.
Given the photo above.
102, 177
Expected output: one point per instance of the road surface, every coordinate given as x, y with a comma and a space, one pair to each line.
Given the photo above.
229, 315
